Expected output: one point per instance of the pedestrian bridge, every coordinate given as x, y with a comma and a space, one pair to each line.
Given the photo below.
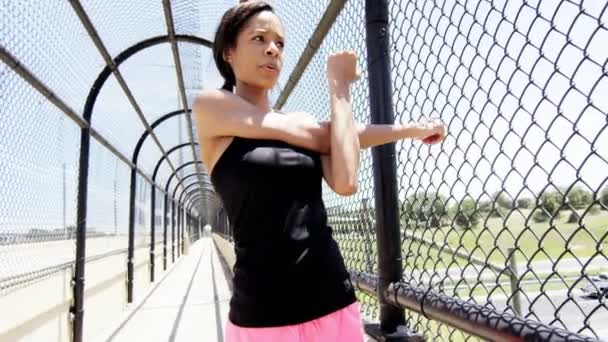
500, 233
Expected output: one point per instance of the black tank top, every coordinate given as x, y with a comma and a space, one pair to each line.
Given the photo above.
288, 267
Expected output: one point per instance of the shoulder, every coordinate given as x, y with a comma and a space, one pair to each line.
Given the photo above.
207, 98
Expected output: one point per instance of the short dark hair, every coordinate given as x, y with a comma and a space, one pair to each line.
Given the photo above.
227, 32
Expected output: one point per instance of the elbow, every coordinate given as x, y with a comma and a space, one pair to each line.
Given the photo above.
347, 189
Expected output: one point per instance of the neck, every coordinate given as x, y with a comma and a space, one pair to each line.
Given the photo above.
254, 95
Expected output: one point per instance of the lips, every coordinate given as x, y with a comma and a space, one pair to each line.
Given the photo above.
270, 67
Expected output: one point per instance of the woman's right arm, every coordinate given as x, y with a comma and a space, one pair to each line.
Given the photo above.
220, 113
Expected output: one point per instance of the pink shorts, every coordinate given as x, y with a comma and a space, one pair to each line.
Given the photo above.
342, 325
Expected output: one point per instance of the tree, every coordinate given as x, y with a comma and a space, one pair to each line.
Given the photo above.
604, 197
579, 198
485, 206
423, 207
540, 216
552, 203
491, 208
574, 217
467, 215
524, 203
503, 200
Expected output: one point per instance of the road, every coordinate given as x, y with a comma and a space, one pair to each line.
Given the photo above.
554, 306
538, 268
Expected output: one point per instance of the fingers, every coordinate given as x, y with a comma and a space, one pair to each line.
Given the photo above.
437, 130
343, 66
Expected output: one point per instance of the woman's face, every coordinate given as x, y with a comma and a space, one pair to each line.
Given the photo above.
257, 58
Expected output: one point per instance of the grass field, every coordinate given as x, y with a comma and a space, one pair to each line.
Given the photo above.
489, 242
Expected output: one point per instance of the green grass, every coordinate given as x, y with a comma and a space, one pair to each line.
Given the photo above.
490, 241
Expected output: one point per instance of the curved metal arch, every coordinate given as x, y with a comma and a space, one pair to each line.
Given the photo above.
133, 189
209, 195
146, 133
133, 185
203, 186
211, 199
180, 201
198, 207
181, 167
185, 194
194, 202
197, 193
205, 183
84, 162
187, 177
163, 158
126, 54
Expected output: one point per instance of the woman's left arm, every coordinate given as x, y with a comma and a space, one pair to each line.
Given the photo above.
341, 166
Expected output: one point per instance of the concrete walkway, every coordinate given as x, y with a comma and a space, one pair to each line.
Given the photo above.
190, 303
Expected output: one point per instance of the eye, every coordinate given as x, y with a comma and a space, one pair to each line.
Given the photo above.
258, 38
281, 44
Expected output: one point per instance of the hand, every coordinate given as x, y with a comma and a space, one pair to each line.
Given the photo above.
342, 67
433, 131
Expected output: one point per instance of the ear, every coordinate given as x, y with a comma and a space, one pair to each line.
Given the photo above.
227, 56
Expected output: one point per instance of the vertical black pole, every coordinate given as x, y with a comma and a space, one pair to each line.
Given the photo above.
188, 227
198, 227
165, 221
180, 230
152, 231
179, 227
172, 231
184, 229
385, 177
131, 248
77, 309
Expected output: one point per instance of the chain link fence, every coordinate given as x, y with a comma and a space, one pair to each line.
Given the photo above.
35, 240
349, 217
56, 84
510, 211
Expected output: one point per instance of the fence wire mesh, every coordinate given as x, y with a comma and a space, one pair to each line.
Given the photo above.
40, 144
349, 217
509, 211
35, 240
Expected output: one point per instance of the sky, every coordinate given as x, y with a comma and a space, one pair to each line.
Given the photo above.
515, 122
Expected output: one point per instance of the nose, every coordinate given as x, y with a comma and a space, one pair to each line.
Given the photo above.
272, 50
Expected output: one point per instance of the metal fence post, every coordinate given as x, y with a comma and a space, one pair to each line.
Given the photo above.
77, 309
513, 278
172, 231
152, 231
165, 221
385, 172
131, 248
180, 225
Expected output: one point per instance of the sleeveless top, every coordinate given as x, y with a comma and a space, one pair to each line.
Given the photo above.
288, 267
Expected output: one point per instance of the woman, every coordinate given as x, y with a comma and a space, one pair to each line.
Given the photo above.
290, 281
